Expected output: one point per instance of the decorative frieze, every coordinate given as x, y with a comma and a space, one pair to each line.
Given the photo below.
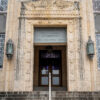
53, 8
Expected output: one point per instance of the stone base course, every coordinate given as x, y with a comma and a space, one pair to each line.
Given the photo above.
43, 95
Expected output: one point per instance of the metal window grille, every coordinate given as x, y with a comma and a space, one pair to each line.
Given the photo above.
3, 5
96, 5
2, 39
98, 48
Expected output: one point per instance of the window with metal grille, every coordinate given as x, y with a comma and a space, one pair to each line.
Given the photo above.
98, 48
96, 5
3, 5
2, 39
97, 31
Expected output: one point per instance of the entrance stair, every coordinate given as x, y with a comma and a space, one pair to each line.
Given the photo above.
44, 95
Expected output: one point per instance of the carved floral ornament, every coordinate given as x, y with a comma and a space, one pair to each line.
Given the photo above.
50, 8
59, 4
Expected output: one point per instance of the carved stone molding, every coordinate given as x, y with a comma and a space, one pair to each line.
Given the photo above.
50, 4
51, 8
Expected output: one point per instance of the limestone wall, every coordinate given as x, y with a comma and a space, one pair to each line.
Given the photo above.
21, 20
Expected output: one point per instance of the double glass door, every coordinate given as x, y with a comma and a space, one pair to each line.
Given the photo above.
50, 62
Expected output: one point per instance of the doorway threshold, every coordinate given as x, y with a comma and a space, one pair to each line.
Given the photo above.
47, 89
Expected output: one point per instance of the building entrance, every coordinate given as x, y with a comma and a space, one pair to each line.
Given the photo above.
50, 62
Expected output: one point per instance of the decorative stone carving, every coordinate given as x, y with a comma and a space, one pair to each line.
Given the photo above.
76, 4
53, 8
50, 4
63, 4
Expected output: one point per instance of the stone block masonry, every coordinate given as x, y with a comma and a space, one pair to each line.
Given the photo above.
43, 95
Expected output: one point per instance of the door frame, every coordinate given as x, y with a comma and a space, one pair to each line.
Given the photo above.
60, 71
63, 48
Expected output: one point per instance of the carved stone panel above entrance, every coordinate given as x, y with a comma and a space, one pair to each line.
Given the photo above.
51, 8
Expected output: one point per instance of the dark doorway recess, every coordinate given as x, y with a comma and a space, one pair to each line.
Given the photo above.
50, 62
53, 60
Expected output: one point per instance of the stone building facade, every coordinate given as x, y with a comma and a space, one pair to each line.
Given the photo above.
48, 36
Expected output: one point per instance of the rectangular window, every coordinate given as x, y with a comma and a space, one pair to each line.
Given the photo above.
50, 35
98, 48
96, 5
2, 40
3, 5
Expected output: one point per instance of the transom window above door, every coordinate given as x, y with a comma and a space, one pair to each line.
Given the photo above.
50, 35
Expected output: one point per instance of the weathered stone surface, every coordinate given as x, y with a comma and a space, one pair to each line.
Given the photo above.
23, 17
44, 95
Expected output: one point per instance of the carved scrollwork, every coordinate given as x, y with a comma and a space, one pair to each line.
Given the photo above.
51, 8
60, 4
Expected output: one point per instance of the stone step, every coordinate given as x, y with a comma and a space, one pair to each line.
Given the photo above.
44, 95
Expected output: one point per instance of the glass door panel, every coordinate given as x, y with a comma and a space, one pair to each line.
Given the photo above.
55, 70
55, 81
44, 70
50, 63
44, 80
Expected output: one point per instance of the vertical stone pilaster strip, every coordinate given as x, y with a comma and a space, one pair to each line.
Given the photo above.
81, 59
71, 54
29, 54
20, 48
